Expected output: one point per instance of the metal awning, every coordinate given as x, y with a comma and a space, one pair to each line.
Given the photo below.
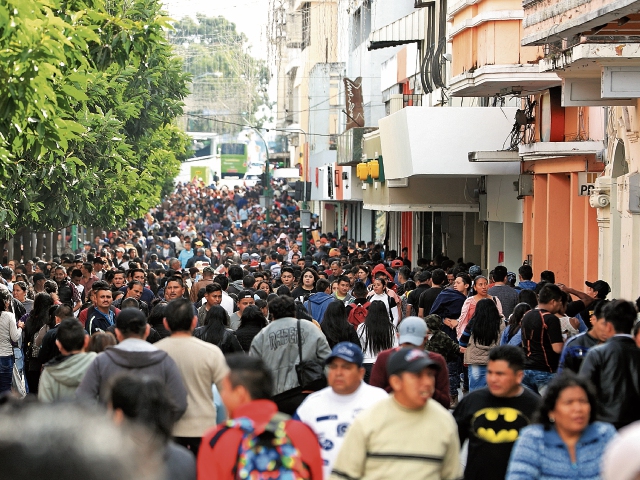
494, 156
408, 29
548, 150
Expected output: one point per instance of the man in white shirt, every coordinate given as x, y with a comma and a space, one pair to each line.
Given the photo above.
330, 411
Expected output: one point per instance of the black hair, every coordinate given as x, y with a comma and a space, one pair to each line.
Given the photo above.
221, 280
500, 273
598, 308
486, 323
526, 272
281, 307
212, 287
322, 285
529, 297
511, 354
215, 323
550, 292
283, 290
39, 315
378, 330
334, 323
556, 386
547, 276
466, 278
236, 273
515, 319
157, 314
248, 281
71, 334
343, 278
252, 315
145, 400
133, 283
621, 314
131, 321
252, 374
359, 290
179, 315
438, 277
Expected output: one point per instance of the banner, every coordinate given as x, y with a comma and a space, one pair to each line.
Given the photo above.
354, 103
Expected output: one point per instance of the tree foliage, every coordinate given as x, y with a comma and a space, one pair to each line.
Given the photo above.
88, 97
228, 82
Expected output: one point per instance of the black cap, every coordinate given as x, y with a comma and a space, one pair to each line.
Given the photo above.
411, 360
600, 286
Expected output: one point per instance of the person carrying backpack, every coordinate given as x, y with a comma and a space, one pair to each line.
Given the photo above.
258, 442
357, 310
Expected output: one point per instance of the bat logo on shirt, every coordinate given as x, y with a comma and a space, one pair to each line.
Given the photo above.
498, 425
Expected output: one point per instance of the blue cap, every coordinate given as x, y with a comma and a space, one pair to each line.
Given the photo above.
347, 351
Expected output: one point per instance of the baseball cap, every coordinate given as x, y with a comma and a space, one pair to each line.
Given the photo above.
475, 270
334, 252
397, 263
347, 351
245, 294
599, 286
38, 276
246, 256
412, 330
409, 359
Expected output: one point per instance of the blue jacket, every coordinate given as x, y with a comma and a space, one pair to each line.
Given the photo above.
527, 285
317, 305
541, 455
448, 304
516, 340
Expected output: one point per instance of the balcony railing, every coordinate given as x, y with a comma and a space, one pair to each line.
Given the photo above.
412, 100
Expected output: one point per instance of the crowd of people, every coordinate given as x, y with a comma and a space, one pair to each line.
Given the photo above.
201, 342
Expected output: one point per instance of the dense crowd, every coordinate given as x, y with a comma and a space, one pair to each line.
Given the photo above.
201, 342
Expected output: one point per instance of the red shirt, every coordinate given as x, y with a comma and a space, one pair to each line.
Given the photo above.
218, 462
379, 377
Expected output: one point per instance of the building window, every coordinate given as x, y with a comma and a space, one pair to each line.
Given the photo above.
361, 24
306, 25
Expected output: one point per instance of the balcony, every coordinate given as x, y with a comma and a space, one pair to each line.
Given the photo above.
487, 58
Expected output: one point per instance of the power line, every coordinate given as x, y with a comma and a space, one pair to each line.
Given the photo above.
245, 125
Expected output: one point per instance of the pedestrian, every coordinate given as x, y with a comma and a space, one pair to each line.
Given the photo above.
319, 301
407, 435
251, 322
228, 452
216, 331
381, 294
614, 368
62, 375
10, 331
330, 411
480, 336
376, 334
335, 326
507, 295
565, 441
201, 366
35, 326
277, 346
132, 355
492, 417
512, 334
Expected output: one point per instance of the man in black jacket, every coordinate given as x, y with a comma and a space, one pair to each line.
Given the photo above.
614, 368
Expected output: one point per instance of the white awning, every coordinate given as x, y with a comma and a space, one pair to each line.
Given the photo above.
405, 30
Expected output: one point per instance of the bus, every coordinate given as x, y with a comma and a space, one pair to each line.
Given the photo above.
233, 159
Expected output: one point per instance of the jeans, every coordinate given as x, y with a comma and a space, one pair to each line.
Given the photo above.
6, 373
477, 377
537, 380
455, 368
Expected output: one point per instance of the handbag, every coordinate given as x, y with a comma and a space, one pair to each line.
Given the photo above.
310, 373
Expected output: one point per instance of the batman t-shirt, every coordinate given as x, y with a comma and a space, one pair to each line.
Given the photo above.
492, 425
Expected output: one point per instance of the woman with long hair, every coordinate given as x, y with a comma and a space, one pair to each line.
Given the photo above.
21, 293
217, 332
335, 326
307, 285
512, 335
264, 286
481, 335
565, 440
156, 319
481, 287
9, 332
38, 318
380, 294
376, 334
251, 322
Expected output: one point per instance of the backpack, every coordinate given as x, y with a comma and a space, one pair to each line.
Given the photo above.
37, 341
358, 314
269, 454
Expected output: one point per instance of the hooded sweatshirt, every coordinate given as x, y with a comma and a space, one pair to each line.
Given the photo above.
449, 305
138, 357
317, 305
62, 375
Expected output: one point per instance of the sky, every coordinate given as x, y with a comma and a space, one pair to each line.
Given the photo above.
250, 17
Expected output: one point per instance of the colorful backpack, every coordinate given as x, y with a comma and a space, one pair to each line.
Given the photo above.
268, 454
358, 314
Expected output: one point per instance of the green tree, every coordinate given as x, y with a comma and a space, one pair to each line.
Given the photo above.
87, 104
228, 82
